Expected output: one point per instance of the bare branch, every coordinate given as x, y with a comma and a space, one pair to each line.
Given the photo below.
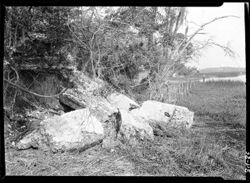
201, 28
25, 90
228, 51
180, 52
78, 38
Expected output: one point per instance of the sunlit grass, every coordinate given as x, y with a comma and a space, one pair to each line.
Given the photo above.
223, 101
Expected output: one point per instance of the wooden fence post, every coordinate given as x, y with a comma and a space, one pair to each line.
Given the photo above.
186, 88
179, 91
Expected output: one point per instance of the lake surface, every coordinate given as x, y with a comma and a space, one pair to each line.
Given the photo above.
241, 78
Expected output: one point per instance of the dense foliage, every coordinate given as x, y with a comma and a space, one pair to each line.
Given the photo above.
115, 44
120, 43
32, 32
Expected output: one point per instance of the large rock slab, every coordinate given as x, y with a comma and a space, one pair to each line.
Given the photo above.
73, 130
97, 104
82, 95
154, 111
121, 101
134, 128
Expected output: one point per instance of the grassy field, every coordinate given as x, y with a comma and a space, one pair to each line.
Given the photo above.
220, 121
214, 146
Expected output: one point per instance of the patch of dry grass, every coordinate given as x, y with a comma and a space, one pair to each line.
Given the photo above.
92, 162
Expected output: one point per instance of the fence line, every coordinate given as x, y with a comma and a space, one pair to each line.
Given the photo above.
177, 89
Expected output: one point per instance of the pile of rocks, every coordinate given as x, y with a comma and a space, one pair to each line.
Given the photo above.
96, 119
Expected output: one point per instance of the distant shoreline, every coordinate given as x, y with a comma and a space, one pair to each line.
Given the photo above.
241, 78
222, 70
222, 74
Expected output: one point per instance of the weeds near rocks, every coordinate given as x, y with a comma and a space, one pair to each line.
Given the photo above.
213, 146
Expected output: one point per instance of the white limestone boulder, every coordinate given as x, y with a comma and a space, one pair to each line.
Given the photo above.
182, 117
154, 111
121, 101
134, 128
73, 130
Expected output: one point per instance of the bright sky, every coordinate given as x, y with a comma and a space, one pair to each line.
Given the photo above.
230, 30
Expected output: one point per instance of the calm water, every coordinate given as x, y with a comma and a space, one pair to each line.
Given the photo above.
241, 78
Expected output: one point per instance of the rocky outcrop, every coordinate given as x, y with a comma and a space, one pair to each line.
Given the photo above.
93, 120
107, 119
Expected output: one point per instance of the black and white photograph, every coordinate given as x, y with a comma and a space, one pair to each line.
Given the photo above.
125, 91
